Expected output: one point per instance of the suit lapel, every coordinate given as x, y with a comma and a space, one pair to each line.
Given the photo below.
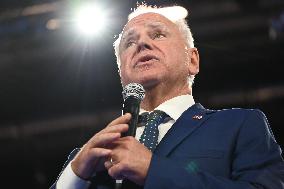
189, 121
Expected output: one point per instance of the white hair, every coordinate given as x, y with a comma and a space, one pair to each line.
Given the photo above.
176, 14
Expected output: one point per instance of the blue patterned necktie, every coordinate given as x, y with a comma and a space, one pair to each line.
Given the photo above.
149, 137
150, 134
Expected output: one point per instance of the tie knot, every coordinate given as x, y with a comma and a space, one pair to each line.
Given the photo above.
155, 116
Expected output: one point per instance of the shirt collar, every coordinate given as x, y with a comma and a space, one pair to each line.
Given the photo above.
175, 106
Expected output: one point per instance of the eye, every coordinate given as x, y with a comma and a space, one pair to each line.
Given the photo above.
158, 36
129, 44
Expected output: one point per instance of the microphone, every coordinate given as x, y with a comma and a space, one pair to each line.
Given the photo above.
133, 94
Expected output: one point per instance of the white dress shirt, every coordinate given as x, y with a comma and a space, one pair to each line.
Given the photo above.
173, 107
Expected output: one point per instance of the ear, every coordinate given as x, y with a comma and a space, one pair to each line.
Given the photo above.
193, 67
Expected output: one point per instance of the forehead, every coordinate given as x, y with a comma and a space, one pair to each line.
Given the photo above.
148, 19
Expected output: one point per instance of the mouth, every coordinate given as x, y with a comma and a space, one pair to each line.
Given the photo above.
145, 59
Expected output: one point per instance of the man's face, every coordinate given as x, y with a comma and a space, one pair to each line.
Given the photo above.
153, 51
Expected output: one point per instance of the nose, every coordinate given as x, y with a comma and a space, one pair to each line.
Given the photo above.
144, 44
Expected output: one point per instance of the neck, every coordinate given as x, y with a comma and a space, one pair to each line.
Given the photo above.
157, 95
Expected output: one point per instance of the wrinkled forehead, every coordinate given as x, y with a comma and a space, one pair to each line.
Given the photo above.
147, 19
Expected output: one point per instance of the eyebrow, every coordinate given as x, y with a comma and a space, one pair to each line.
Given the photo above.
153, 25
159, 25
128, 33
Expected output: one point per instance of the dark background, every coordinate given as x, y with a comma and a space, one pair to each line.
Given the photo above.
58, 88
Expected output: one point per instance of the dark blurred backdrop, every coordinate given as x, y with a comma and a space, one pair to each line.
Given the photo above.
58, 88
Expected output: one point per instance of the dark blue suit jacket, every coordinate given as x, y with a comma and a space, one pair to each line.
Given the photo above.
208, 149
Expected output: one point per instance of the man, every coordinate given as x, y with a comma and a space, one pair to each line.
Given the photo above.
198, 148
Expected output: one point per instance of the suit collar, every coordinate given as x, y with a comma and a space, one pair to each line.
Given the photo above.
188, 122
174, 107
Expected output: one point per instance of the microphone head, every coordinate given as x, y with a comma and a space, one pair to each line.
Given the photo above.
135, 90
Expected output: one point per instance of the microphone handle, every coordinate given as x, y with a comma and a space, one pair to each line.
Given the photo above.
131, 105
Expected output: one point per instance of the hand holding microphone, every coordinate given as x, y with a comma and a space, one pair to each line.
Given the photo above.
130, 159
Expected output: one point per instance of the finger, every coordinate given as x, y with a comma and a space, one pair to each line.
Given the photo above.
123, 142
122, 119
108, 164
116, 171
99, 153
103, 139
120, 128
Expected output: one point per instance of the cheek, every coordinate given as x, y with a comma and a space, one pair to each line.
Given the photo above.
122, 59
176, 55
178, 60
124, 71
125, 58
123, 63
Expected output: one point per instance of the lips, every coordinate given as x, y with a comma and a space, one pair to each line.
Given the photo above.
144, 59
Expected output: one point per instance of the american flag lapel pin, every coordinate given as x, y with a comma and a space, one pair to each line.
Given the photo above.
198, 117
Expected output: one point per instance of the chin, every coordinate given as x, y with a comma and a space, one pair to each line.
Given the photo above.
148, 82
147, 78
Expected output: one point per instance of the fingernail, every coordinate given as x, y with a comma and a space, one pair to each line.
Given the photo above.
107, 151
